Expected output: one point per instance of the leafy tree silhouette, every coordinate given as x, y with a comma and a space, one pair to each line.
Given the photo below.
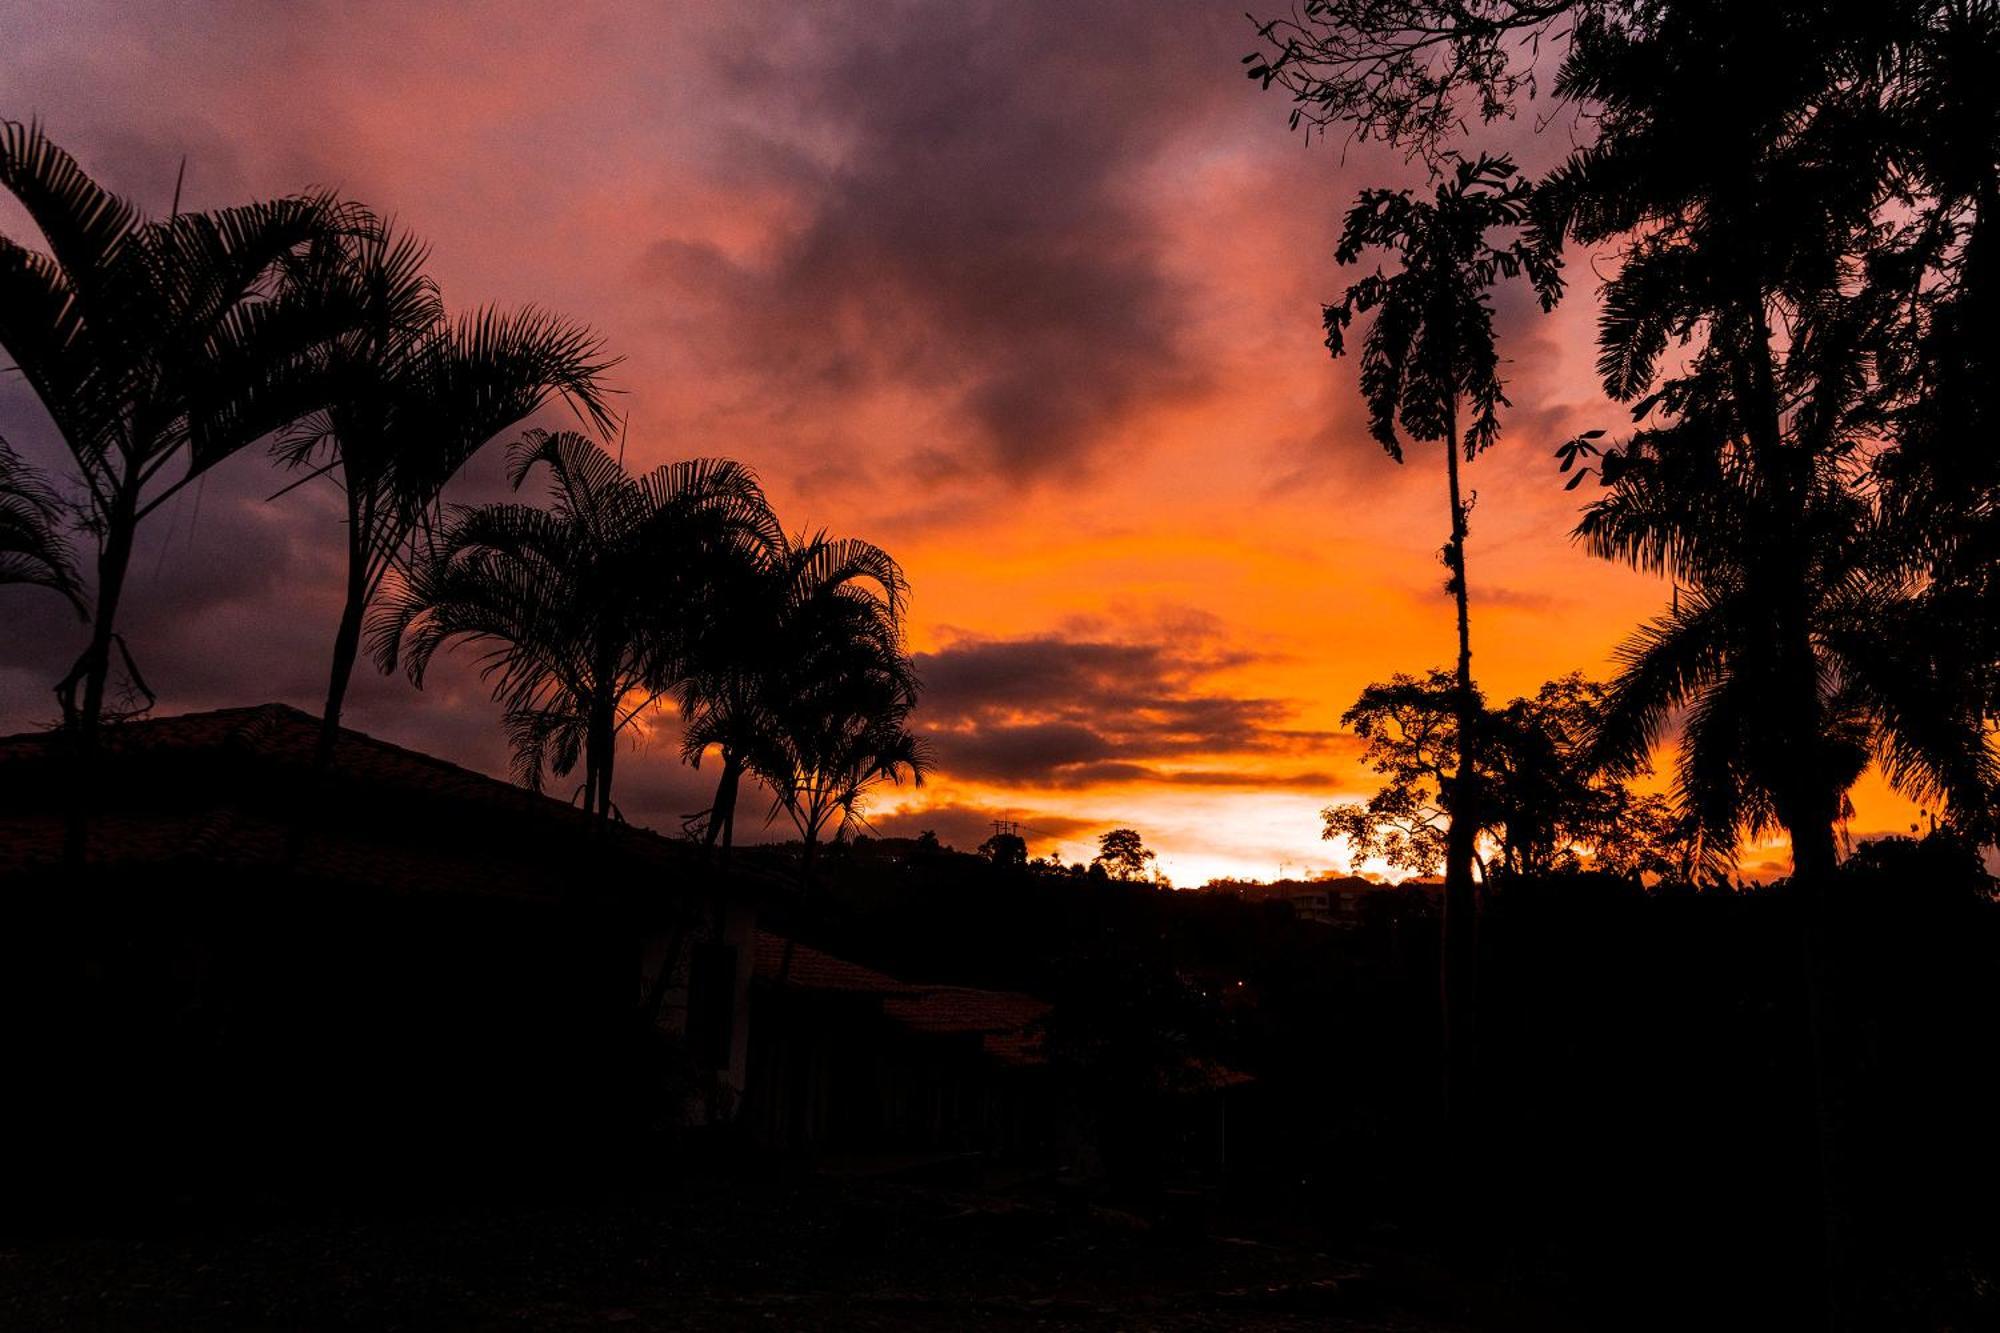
1007, 850
152, 343
1938, 274
1794, 649
1546, 806
1429, 364
410, 397
1412, 72
582, 610
1123, 854
1798, 644
1799, 201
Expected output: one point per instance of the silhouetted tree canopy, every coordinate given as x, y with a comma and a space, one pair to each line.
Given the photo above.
806, 631
582, 611
411, 395
1006, 850
1545, 805
1123, 854
159, 347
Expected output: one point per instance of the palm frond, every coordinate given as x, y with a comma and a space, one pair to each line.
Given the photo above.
33, 547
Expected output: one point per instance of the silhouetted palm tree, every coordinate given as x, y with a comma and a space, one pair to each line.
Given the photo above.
33, 546
1743, 550
411, 396
1428, 363
842, 731
1742, 216
584, 611
158, 347
1745, 167
797, 596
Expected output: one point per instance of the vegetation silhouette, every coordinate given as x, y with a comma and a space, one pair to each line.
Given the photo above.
808, 624
158, 346
581, 612
1428, 364
1547, 806
1797, 203
34, 548
1123, 855
410, 396
1003, 849
840, 728
1795, 650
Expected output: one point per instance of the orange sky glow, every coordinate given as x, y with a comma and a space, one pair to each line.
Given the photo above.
1026, 293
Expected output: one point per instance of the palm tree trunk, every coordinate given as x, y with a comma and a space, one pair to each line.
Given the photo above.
722, 827
95, 665
599, 734
346, 649
112, 563
1458, 959
607, 759
723, 813
1813, 803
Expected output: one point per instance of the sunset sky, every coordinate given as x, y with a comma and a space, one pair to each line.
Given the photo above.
1027, 293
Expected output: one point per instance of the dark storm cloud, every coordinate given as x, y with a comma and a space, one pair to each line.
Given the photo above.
1071, 712
979, 234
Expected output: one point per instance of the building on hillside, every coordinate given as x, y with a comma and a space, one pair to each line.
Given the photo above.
846, 1059
1332, 901
848, 1062
398, 967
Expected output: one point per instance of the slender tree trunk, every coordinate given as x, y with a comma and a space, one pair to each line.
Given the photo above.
592, 768
1814, 804
721, 825
1458, 970
112, 563
599, 742
724, 810
84, 723
346, 650
607, 760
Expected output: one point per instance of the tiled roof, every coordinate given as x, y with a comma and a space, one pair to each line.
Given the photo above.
1004, 1021
813, 970
1015, 1048
962, 1009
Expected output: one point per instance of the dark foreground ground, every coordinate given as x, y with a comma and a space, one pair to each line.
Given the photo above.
800, 1253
